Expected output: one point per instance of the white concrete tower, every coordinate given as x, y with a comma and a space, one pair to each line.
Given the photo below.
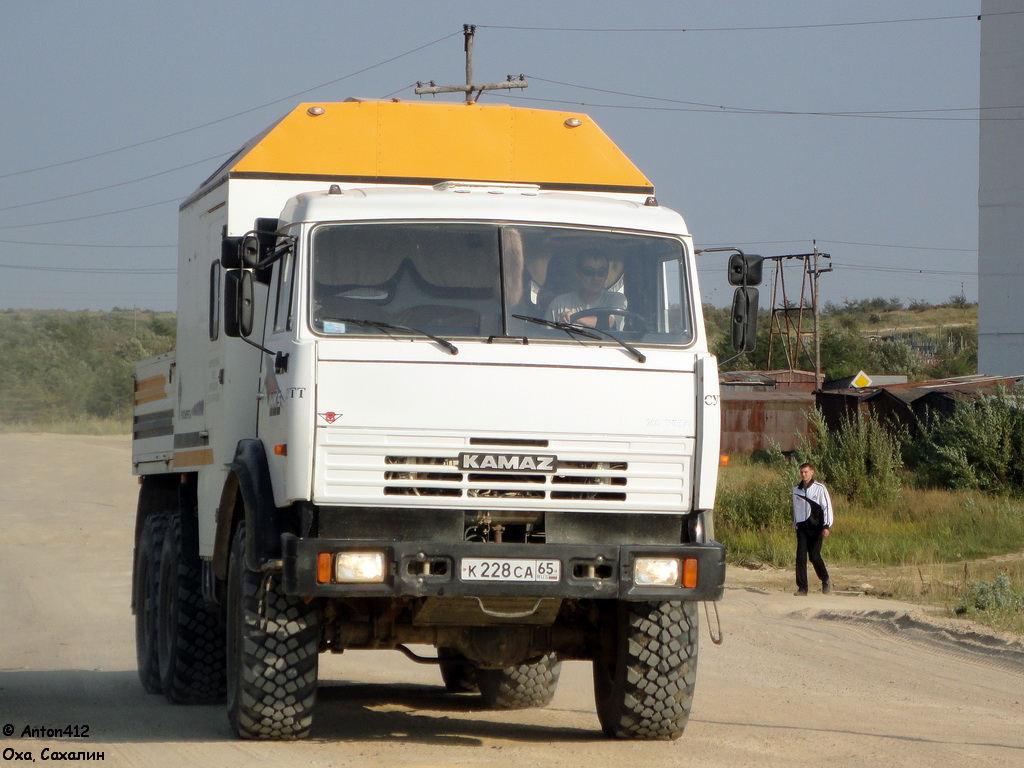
1001, 190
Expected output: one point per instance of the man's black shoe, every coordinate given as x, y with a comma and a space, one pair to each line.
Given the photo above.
826, 587
801, 593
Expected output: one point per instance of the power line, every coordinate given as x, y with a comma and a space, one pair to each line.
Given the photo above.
904, 270
725, 111
905, 115
92, 271
83, 245
844, 242
113, 186
91, 216
774, 28
720, 107
911, 247
229, 117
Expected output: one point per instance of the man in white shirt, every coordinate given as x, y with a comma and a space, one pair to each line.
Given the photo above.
812, 518
592, 276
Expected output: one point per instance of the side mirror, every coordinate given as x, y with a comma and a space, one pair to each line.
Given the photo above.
745, 269
266, 231
229, 252
238, 303
744, 319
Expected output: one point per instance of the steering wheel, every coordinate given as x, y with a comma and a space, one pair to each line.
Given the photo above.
636, 321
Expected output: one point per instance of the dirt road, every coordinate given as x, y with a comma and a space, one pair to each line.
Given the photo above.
847, 681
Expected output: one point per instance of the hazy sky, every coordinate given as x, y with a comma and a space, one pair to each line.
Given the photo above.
113, 111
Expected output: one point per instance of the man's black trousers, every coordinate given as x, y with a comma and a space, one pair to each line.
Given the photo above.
808, 545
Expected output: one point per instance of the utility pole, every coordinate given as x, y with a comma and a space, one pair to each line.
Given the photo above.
782, 322
469, 32
816, 272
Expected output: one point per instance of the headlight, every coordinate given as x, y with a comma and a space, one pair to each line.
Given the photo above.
359, 567
656, 572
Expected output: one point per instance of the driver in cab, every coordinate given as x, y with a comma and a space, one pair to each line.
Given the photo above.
591, 271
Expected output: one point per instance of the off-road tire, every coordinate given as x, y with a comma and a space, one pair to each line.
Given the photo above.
272, 658
645, 671
190, 636
457, 672
145, 583
520, 687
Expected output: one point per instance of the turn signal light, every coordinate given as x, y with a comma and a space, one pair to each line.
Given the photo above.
690, 573
323, 568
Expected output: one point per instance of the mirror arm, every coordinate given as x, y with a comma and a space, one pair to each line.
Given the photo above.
278, 253
280, 358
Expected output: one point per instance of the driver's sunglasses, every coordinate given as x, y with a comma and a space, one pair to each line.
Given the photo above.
594, 271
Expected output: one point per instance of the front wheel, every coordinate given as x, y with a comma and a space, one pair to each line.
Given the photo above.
272, 654
645, 670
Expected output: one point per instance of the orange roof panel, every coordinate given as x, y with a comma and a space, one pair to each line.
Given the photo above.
417, 142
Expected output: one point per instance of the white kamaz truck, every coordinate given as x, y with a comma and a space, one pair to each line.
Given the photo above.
441, 379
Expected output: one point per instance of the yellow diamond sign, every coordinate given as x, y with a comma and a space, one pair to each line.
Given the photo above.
861, 380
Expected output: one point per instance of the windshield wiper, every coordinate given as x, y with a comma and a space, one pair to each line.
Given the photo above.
640, 356
587, 331
570, 328
383, 326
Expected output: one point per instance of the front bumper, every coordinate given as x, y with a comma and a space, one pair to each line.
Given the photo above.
432, 569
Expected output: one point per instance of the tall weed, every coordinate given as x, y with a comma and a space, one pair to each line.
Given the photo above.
861, 460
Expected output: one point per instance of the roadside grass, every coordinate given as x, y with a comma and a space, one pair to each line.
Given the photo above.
83, 425
927, 317
934, 535
988, 592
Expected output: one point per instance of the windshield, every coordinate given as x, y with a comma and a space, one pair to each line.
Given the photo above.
471, 280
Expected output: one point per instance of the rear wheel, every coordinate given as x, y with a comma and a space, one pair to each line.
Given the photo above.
646, 668
520, 687
145, 580
190, 636
458, 674
272, 651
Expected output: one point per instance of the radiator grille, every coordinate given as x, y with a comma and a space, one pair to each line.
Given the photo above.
414, 469
441, 476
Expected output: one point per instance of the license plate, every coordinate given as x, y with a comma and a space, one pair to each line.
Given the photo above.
510, 569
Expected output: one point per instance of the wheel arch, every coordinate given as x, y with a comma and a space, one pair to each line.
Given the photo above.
248, 494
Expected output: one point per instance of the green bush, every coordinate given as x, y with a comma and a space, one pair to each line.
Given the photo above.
979, 447
861, 460
996, 596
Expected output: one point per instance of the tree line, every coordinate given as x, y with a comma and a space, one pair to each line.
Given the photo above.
72, 366
931, 341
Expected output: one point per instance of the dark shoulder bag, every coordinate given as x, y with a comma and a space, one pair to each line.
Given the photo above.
816, 517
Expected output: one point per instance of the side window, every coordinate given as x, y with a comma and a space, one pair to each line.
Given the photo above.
215, 301
285, 295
